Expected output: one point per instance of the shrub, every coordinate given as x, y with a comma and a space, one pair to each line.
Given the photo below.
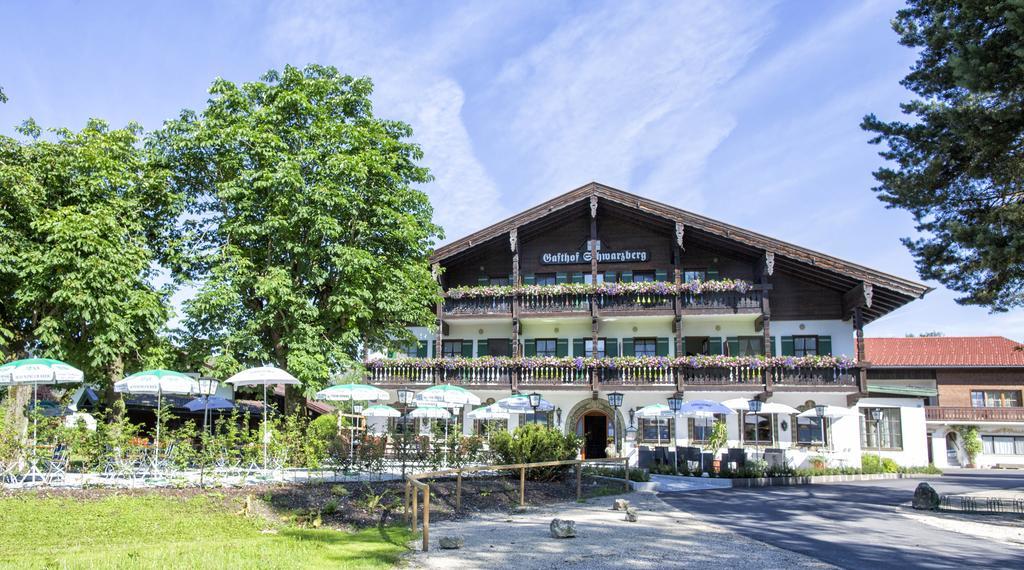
870, 464
534, 443
331, 507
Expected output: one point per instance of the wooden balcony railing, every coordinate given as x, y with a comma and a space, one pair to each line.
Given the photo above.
665, 374
565, 303
534, 301
725, 300
968, 414
635, 302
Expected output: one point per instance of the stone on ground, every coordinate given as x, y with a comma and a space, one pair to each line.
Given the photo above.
452, 542
926, 498
632, 515
561, 528
620, 505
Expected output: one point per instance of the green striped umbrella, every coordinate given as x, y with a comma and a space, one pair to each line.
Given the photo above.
37, 371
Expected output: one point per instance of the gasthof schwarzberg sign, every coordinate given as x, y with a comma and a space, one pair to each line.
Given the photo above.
581, 257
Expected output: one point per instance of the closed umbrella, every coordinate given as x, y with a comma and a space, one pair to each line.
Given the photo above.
263, 376
37, 371
158, 382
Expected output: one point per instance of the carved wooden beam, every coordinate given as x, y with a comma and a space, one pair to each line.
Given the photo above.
860, 296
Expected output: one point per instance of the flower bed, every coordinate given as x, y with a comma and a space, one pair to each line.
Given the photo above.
647, 287
581, 363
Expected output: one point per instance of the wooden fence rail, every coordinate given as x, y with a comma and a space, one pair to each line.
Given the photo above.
414, 486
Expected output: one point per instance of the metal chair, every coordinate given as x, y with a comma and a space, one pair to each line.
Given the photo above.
56, 466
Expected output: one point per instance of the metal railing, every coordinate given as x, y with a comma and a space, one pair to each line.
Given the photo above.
414, 486
564, 303
501, 305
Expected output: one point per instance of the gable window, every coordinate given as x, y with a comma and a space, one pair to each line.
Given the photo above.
884, 434
645, 347
589, 348
545, 279
805, 346
451, 349
643, 277
546, 346
995, 398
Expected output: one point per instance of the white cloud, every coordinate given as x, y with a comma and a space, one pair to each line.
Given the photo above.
413, 84
627, 95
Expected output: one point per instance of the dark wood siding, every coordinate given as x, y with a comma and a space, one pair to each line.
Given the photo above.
793, 298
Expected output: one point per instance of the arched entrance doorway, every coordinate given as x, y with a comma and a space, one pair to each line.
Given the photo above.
952, 457
593, 428
594, 420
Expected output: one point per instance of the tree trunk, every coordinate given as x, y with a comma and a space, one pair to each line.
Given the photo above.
15, 418
115, 372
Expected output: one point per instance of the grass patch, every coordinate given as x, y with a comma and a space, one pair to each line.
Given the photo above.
153, 531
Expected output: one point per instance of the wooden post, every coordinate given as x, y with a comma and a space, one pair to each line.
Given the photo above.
593, 298
458, 492
415, 505
426, 519
522, 486
579, 481
406, 507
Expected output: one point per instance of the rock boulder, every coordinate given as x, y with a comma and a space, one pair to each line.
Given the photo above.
451, 542
563, 528
632, 515
620, 505
926, 498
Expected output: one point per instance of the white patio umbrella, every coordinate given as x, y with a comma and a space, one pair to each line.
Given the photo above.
430, 412
352, 393
381, 411
655, 411
491, 412
263, 376
158, 382
36, 372
831, 412
447, 395
520, 404
704, 408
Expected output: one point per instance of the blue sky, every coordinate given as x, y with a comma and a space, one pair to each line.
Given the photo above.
745, 112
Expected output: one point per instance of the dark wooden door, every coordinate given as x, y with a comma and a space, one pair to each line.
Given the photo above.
595, 434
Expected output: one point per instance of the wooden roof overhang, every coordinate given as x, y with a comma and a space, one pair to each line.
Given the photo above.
888, 292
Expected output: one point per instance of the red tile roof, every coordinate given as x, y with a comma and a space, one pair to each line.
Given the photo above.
944, 351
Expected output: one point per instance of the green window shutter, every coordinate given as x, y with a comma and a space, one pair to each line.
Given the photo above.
483, 280
579, 346
734, 345
627, 277
576, 277
467, 348
627, 347
712, 273
660, 275
431, 349
529, 279
561, 277
561, 347
421, 349
771, 341
611, 347
787, 346
683, 343
715, 345
483, 348
530, 347
508, 347
661, 346
610, 277
824, 345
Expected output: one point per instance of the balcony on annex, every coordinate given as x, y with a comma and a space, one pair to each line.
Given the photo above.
718, 307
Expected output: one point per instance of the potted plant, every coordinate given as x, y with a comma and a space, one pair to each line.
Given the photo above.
718, 439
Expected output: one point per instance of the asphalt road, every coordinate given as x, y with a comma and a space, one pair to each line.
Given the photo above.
857, 525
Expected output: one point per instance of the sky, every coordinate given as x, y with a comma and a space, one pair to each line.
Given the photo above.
747, 112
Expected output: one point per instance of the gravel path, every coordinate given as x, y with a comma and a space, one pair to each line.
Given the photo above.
663, 538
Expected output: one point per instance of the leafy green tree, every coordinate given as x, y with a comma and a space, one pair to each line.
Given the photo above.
309, 240
959, 162
85, 223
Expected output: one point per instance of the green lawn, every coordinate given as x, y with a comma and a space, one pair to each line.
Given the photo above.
167, 532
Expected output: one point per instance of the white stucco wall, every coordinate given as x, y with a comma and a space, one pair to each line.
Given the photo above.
984, 460
913, 425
